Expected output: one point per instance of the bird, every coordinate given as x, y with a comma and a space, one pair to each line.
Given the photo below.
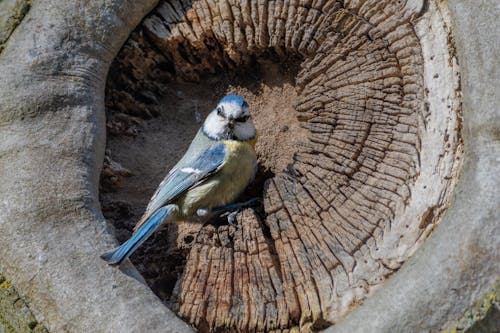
215, 170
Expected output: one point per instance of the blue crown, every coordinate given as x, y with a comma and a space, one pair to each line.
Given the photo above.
234, 99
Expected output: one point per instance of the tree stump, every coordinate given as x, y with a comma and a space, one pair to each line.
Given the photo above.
358, 107
54, 60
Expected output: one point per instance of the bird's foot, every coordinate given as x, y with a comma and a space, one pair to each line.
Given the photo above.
240, 205
231, 218
232, 209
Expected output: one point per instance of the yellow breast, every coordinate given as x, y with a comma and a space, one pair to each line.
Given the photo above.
227, 184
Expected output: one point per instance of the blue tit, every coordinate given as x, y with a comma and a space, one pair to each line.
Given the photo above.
215, 170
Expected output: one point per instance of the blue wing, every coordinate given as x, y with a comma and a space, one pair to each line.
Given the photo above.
184, 176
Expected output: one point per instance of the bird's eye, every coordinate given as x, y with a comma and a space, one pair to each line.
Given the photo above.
220, 111
242, 119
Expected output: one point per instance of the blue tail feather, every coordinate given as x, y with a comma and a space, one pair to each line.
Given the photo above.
117, 255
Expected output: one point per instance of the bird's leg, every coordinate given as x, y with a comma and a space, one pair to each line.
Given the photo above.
231, 218
234, 209
237, 206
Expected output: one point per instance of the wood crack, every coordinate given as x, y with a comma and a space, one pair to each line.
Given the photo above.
302, 261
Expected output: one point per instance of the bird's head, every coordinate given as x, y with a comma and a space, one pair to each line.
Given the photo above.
230, 120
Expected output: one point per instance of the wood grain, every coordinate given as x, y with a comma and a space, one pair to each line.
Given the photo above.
322, 242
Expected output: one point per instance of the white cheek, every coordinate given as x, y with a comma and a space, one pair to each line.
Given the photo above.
214, 125
245, 131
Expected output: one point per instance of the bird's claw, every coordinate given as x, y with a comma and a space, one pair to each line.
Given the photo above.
232, 210
231, 218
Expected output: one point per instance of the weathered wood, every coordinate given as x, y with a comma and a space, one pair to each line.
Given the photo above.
372, 180
53, 72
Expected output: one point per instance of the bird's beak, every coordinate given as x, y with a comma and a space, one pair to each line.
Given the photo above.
231, 123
